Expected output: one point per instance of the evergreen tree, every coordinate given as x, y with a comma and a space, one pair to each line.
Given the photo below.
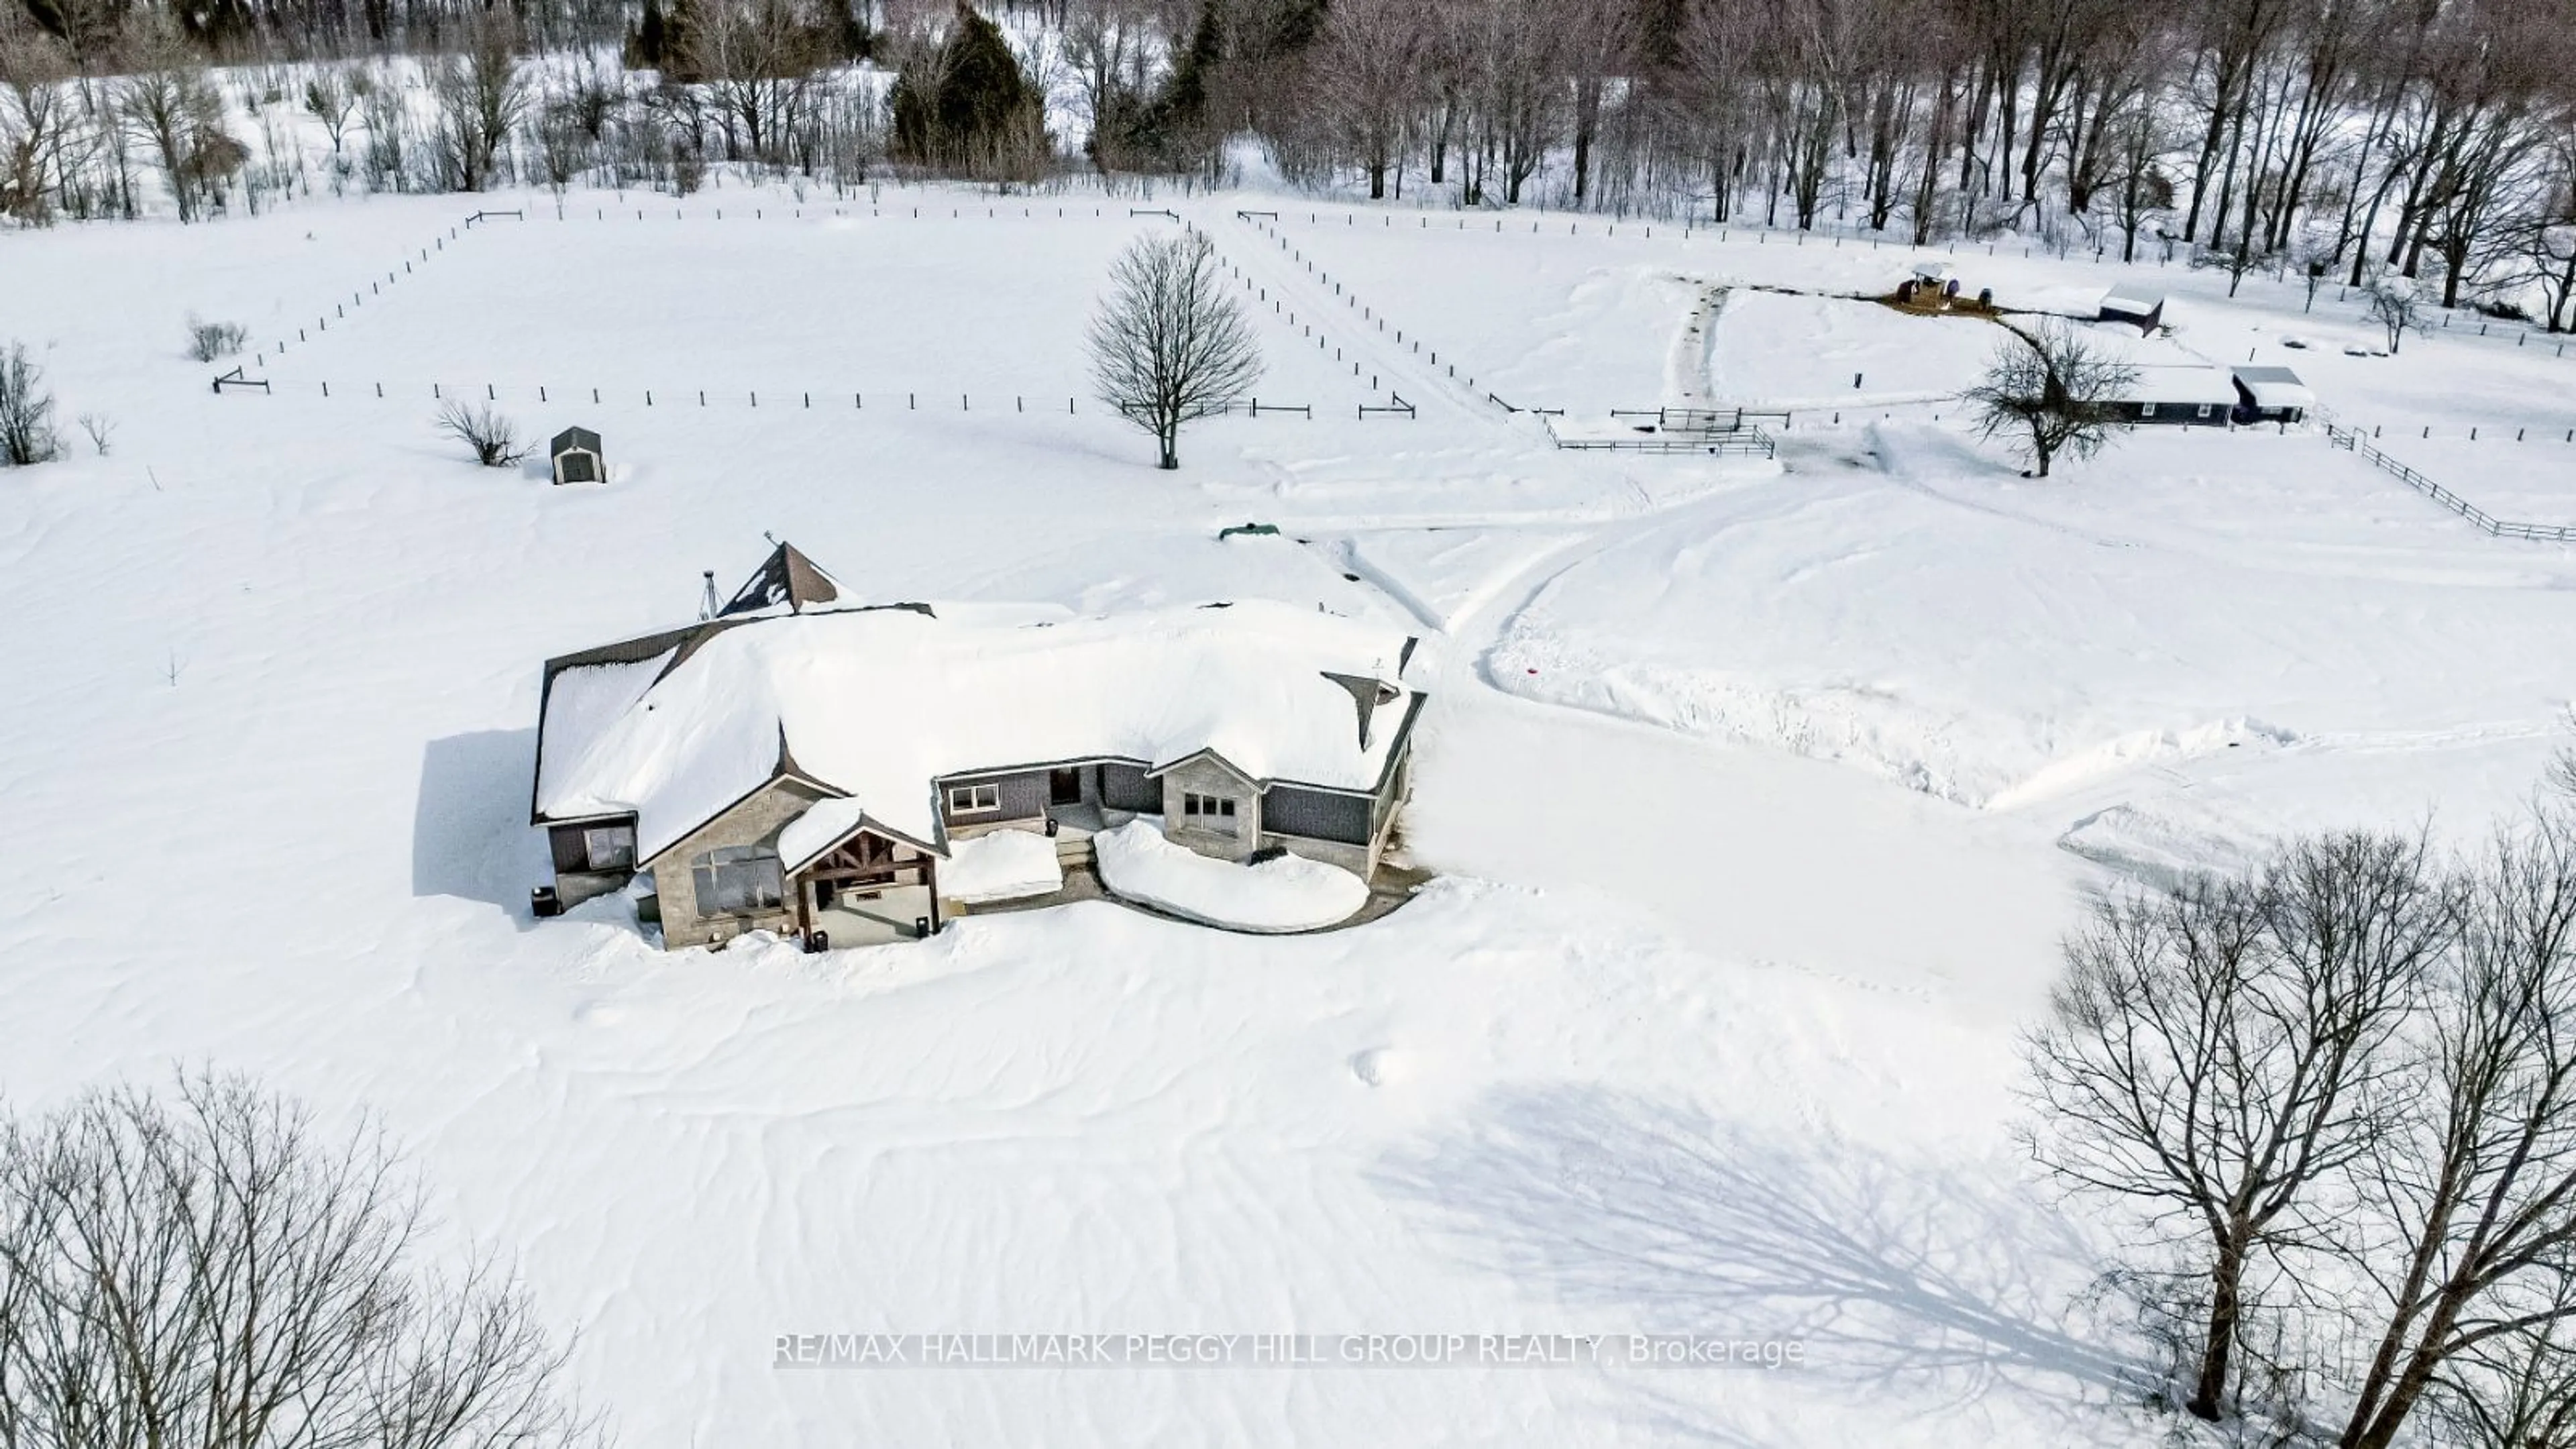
969, 106
649, 44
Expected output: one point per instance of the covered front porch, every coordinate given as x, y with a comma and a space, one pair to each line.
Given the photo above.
867, 891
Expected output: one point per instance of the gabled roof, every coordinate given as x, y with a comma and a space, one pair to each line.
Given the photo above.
878, 704
786, 577
570, 438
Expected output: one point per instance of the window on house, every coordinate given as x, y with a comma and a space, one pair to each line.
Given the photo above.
2146, 410
969, 799
2205, 410
609, 847
1206, 808
738, 879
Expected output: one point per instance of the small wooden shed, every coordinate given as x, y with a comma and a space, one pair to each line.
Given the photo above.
576, 457
2139, 308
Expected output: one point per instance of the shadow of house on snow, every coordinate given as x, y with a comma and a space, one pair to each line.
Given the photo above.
470, 836
1912, 1280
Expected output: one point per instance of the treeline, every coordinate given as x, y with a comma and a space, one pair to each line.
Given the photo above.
2336, 137
2438, 141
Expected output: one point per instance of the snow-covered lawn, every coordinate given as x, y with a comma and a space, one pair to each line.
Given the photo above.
1956, 628
1283, 893
1774, 350
1707, 1025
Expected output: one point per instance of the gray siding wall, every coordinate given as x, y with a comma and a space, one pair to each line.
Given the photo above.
755, 820
1024, 797
1317, 814
1124, 787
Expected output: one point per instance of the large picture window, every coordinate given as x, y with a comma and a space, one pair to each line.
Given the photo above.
738, 879
1207, 809
973, 799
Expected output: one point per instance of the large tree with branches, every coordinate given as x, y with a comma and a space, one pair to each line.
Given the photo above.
2218, 1048
207, 1266
1170, 343
2050, 388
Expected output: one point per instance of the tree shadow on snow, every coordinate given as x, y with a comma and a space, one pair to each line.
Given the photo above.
470, 836
1924, 1282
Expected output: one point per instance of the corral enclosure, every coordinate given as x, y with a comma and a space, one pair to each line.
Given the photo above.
852, 305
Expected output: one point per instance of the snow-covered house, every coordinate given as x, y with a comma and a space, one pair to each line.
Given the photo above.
802, 762
2171, 384
575, 455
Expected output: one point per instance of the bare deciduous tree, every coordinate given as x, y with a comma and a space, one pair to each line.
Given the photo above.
1170, 343
1369, 75
2216, 1049
38, 119
758, 59
482, 94
494, 438
2049, 388
2516, 1390
203, 1267
27, 435
330, 99
167, 103
2477, 1184
2397, 305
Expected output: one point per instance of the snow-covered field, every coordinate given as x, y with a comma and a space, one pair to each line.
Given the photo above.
1759, 800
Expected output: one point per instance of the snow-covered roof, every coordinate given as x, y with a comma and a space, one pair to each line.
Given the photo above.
2275, 387
824, 824
878, 704
2132, 301
2077, 302
2168, 372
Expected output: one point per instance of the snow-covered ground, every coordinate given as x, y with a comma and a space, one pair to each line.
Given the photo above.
1760, 800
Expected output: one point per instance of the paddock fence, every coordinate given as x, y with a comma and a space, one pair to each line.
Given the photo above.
2352, 442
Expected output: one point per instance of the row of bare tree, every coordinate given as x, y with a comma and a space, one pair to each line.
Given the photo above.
2335, 133
2343, 1088
2337, 136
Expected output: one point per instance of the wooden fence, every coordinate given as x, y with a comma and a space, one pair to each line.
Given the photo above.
2353, 443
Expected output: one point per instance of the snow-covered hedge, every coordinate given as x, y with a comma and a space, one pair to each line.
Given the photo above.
1003, 865
1288, 893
